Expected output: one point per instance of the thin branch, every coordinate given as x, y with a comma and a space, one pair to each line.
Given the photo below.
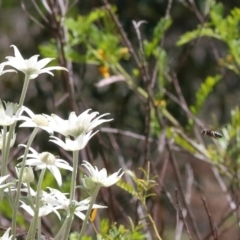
39, 11
186, 108
126, 134
190, 180
176, 171
182, 216
221, 222
30, 16
196, 11
122, 32
214, 230
231, 203
169, 6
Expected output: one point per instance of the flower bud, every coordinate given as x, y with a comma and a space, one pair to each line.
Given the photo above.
28, 175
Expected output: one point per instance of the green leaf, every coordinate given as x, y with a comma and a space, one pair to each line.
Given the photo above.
158, 32
203, 92
201, 31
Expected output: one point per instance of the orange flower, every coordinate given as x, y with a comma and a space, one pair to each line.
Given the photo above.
104, 71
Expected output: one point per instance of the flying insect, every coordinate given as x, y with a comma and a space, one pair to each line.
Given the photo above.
211, 133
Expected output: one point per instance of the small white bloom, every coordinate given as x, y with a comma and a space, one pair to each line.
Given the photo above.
31, 67
28, 175
37, 120
43, 210
76, 126
56, 200
64, 203
7, 136
47, 160
6, 235
100, 177
83, 206
7, 114
73, 145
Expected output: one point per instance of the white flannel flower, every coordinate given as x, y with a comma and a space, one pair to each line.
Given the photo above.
73, 145
37, 120
31, 67
6, 236
56, 200
7, 136
46, 160
83, 206
99, 177
8, 115
48, 203
63, 202
76, 125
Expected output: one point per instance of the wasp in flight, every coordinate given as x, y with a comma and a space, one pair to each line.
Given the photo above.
211, 133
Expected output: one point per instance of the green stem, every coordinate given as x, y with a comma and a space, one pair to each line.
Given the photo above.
129, 80
93, 198
24, 90
72, 191
29, 195
36, 218
7, 141
74, 175
15, 210
68, 225
4, 160
64, 226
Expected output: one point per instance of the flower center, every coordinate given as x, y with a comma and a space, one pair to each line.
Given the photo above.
40, 120
47, 158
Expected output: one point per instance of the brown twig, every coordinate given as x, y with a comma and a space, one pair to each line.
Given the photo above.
181, 212
126, 134
176, 172
213, 229
220, 223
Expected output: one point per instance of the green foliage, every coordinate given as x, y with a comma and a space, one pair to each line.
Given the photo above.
152, 47
163, 69
141, 186
226, 151
180, 141
230, 143
225, 29
92, 39
203, 92
201, 31
127, 187
114, 232
79, 28
111, 231
74, 236
49, 49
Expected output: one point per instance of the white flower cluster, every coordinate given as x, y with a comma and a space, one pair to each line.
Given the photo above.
77, 131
